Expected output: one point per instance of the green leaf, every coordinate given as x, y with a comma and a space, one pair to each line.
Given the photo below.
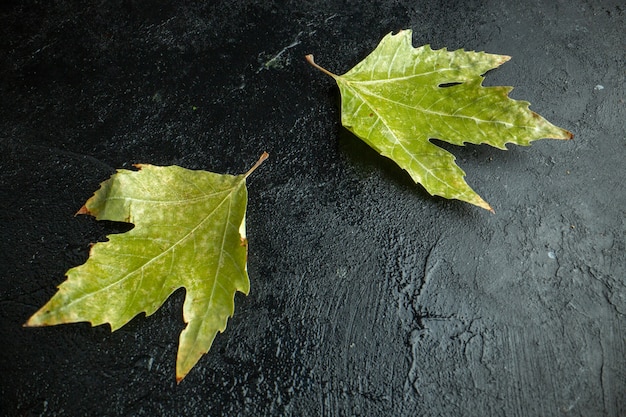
399, 97
189, 232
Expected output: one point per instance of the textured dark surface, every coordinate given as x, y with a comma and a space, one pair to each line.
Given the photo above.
368, 296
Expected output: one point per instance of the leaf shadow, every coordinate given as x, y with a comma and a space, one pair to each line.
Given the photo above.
365, 159
471, 158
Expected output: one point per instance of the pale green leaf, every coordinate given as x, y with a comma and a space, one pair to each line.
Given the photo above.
189, 232
399, 97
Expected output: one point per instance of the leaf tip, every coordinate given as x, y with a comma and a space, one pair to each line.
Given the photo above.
36, 320
503, 59
83, 210
30, 323
486, 206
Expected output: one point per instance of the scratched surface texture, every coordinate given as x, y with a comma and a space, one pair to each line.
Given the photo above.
368, 296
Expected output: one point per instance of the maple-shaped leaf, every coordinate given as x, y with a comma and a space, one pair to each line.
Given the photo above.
189, 232
399, 97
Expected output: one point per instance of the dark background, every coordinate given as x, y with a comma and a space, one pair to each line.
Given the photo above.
369, 297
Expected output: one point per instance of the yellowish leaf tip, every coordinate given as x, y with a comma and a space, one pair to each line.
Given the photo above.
483, 204
31, 322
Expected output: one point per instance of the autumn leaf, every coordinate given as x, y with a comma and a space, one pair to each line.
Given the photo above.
399, 97
189, 232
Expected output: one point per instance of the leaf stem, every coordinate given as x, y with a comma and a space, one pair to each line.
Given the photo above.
311, 61
262, 158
